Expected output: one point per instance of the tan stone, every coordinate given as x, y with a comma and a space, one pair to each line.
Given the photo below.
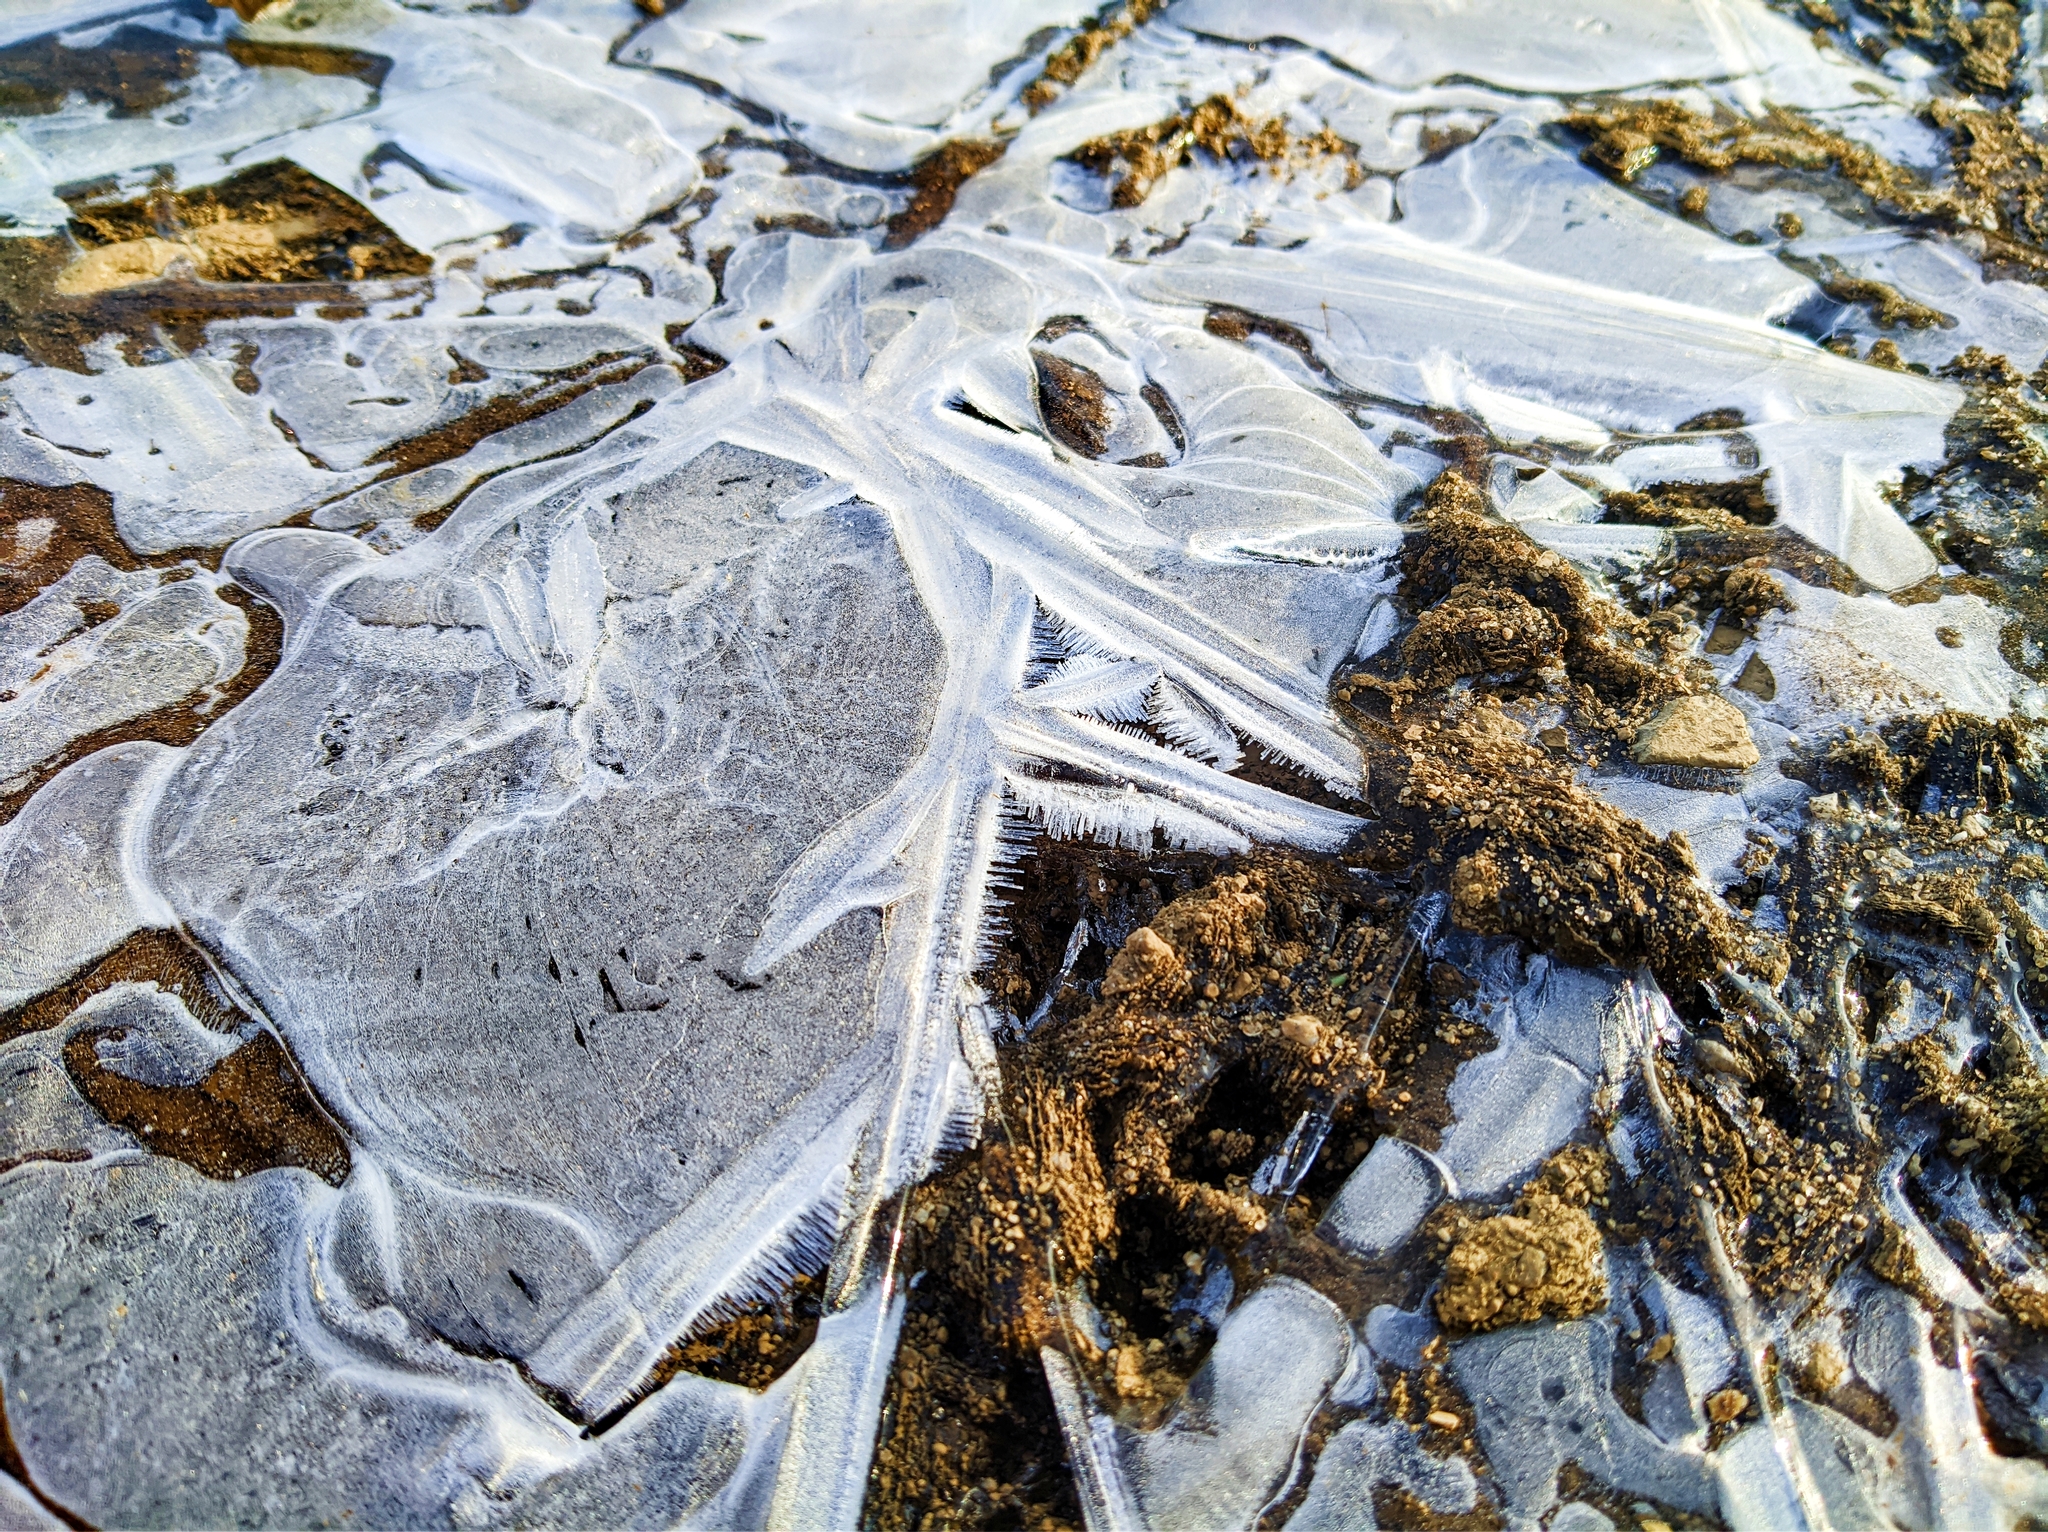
1302, 1029
1147, 962
1727, 1405
1697, 731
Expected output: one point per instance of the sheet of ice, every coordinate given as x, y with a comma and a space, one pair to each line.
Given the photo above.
739, 636
219, 110
151, 1036
190, 458
1561, 46
1517, 1103
871, 88
814, 636
1559, 357
1949, 1475
1386, 1198
1230, 1444
511, 117
520, 118
168, 1381
42, 1116
1543, 1399
350, 390
1514, 196
1362, 1457
166, 645
73, 879
1839, 659
1715, 824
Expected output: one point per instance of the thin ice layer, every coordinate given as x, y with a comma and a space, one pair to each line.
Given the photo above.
871, 88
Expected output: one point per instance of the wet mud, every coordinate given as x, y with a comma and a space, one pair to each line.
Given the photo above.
251, 1111
157, 270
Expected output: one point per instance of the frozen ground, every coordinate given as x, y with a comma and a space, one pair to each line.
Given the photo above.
706, 569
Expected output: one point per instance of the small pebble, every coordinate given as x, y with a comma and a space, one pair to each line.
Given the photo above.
1302, 1029
1727, 1405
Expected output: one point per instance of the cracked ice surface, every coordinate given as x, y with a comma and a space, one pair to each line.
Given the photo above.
614, 840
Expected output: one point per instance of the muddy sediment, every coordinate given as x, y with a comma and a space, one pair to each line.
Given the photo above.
157, 270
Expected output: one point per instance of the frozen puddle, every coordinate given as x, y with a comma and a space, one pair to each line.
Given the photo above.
570, 573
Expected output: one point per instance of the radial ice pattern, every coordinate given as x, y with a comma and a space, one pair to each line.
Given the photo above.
612, 844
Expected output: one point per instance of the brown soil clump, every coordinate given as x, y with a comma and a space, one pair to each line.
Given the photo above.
1793, 1206
1136, 160
1612, 666
1941, 904
1889, 308
969, 1437
1118, 1163
1942, 761
1993, 434
1627, 137
1102, 1109
1542, 1260
1457, 784
1724, 557
1981, 51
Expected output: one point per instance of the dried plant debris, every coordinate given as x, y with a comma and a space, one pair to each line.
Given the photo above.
1134, 161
